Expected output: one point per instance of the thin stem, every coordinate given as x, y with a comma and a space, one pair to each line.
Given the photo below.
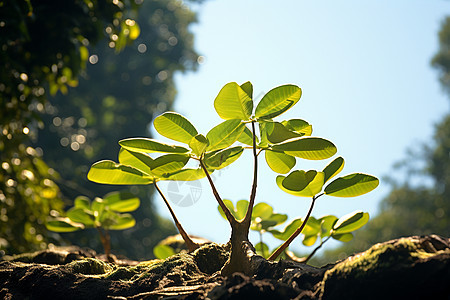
296, 233
232, 220
191, 245
248, 215
315, 250
106, 242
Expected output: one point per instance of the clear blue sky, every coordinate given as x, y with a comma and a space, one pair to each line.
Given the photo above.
363, 66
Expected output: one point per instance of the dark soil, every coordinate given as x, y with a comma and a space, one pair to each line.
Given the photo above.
406, 268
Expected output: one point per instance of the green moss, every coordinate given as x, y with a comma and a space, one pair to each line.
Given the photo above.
89, 266
379, 258
211, 257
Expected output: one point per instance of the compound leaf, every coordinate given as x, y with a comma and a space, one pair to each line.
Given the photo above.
174, 126
146, 145
352, 185
279, 162
277, 101
109, 172
312, 148
233, 102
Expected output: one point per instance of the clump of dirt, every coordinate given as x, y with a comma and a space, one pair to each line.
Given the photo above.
416, 267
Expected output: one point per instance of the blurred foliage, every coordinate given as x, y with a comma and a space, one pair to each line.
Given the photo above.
117, 96
46, 46
414, 209
43, 47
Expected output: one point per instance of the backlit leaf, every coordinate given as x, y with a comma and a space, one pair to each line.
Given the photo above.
288, 230
352, 185
124, 221
248, 88
224, 134
121, 201
333, 168
299, 126
277, 101
277, 133
233, 102
168, 164
246, 137
163, 251
312, 148
309, 240
82, 202
79, 215
350, 222
140, 161
300, 183
279, 162
63, 225
186, 175
223, 158
108, 172
345, 237
146, 145
174, 126
198, 144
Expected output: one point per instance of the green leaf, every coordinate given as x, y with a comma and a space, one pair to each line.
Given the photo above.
333, 168
288, 230
229, 204
327, 223
300, 183
277, 133
223, 158
350, 222
140, 161
185, 175
312, 148
146, 145
198, 144
174, 126
80, 215
168, 164
298, 126
82, 202
233, 102
277, 101
279, 162
312, 227
224, 134
246, 137
309, 240
241, 209
63, 225
124, 221
122, 201
345, 237
163, 251
108, 172
352, 185
262, 249
262, 210
248, 88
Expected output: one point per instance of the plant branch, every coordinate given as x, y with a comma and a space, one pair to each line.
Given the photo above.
248, 215
315, 250
296, 233
191, 245
231, 219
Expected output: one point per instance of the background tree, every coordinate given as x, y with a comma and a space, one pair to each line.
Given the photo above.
45, 46
116, 98
421, 204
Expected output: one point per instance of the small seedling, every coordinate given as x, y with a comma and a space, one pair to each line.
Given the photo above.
104, 214
264, 220
243, 128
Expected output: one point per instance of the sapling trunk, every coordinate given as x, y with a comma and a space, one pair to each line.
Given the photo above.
241, 249
190, 244
106, 242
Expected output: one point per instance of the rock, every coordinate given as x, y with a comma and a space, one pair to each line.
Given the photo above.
413, 268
